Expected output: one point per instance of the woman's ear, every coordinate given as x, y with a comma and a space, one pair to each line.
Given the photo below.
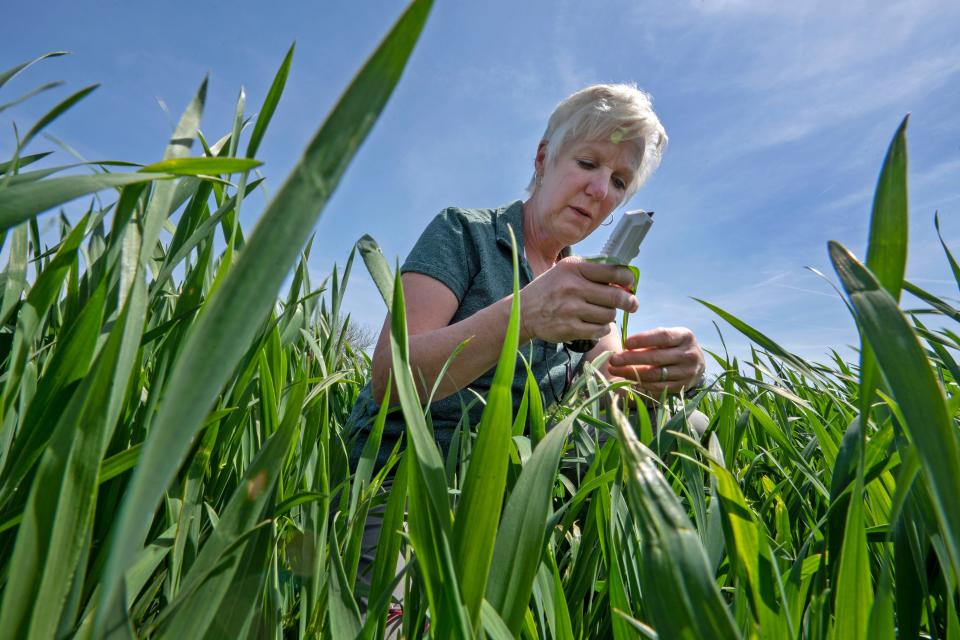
541, 160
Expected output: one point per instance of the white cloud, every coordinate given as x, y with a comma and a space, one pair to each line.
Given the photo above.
794, 69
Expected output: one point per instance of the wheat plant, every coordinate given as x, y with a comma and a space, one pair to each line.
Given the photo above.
174, 460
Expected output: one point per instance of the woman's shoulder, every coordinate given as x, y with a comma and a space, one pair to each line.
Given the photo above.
488, 216
468, 236
490, 223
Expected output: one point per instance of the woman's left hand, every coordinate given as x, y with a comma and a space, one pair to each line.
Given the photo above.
661, 358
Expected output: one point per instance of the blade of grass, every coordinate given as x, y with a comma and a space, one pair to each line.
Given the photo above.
270, 103
481, 499
886, 259
168, 196
854, 581
201, 233
32, 176
429, 519
24, 161
519, 544
190, 509
759, 338
206, 591
15, 275
60, 507
236, 615
23, 201
887, 244
681, 596
29, 94
233, 314
57, 111
378, 267
493, 625
368, 456
904, 365
561, 613
882, 624
67, 367
388, 548
749, 550
42, 295
9, 74
954, 267
201, 166
933, 301
341, 605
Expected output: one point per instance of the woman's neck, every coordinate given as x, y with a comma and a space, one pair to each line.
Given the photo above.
542, 250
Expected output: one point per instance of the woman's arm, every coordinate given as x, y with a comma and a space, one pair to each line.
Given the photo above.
570, 300
429, 307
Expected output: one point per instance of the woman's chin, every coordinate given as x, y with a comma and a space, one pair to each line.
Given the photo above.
584, 231
580, 226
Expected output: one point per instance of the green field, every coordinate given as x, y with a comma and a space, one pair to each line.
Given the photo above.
173, 459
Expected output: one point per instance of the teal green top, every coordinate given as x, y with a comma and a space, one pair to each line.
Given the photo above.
469, 251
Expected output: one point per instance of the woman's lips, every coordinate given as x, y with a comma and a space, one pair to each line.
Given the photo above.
582, 212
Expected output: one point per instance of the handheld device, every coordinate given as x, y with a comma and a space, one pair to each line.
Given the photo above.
621, 247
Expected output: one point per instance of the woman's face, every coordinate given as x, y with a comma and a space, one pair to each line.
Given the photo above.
585, 183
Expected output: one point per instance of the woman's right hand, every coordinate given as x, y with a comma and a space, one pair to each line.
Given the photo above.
574, 300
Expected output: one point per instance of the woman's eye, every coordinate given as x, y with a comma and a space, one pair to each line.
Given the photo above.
586, 164
619, 184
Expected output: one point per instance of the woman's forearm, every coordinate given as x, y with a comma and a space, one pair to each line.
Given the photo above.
430, 350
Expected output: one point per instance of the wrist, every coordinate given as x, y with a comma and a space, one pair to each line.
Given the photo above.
526, 334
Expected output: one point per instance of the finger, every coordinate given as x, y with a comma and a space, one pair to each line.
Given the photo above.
642, 374
611, 297
660, 337
606, 273
596, 314
642, 357
654, 357
590, 330
656, 389
677, 376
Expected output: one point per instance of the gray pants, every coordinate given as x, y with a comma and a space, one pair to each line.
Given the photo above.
372, 530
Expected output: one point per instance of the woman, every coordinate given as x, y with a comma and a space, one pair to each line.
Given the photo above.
600, 145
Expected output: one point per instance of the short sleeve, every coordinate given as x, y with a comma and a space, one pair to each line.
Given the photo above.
446, 252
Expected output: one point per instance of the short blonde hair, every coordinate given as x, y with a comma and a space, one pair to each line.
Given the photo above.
614, 112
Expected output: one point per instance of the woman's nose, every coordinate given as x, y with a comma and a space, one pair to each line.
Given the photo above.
598, 185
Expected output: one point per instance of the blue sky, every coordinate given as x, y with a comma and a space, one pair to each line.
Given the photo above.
779, 114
